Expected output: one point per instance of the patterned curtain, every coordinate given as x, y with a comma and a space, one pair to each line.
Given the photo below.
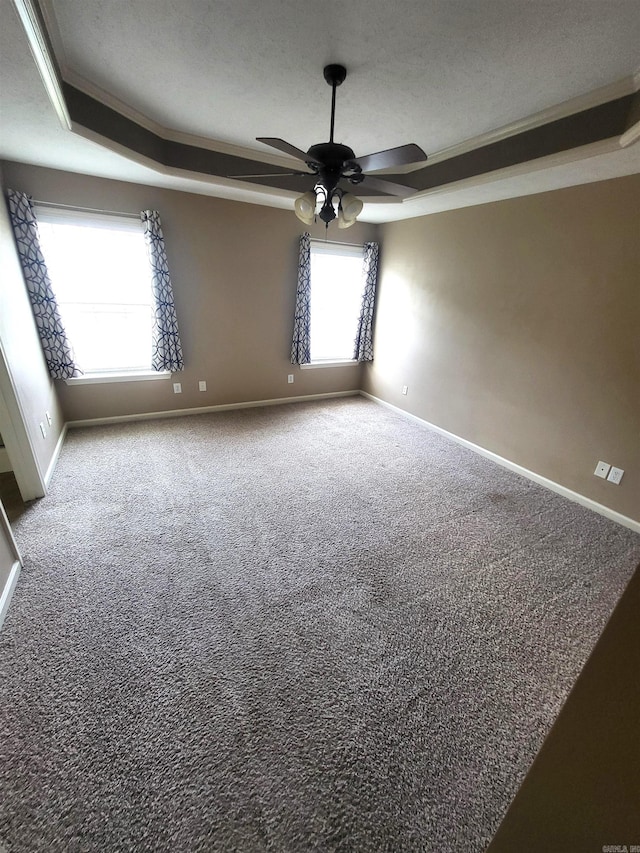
364, 339
300, 348
167, 349
57, 350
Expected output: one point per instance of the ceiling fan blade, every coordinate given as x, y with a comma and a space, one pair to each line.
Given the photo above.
271, 175
387, 187
401, 156
286, 148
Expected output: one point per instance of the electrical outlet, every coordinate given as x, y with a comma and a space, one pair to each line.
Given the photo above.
405, 388
615, 475
177, 388
43, 430
49, 418
202, 386
290, 378
602, 469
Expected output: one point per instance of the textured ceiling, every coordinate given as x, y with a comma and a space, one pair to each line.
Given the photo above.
433, 72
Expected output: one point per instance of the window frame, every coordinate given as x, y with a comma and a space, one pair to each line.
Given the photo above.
112, 221
331, 248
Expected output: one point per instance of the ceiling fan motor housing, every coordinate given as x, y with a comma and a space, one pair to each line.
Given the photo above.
330, 154
334, 162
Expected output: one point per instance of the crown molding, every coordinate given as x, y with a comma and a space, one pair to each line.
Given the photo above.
626, 86
561, 158
36, 31
169, 134
225, 187
630, 136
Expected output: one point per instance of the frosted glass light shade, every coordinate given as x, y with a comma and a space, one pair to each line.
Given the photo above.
350, 209
305, 207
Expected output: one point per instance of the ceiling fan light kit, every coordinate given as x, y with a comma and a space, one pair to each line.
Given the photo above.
331, 162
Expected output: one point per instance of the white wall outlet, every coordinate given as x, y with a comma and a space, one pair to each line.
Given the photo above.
405, 388
290, 378
202, 385
177, 388
43, 430
615, 475
602, 469
49, 418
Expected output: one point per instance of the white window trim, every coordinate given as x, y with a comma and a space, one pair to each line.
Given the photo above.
95, 218
330, 247
133, 376
343, 362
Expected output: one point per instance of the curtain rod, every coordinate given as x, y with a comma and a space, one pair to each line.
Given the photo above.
84, 209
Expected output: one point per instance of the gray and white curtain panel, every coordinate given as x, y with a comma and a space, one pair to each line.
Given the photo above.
58, 352
167, 349
364, 336
300, 347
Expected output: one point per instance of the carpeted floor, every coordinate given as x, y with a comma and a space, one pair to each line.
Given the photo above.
314, 627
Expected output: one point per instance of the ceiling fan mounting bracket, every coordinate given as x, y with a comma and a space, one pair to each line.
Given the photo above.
335, 74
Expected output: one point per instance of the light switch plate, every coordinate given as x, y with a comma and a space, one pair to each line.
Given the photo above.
202, 385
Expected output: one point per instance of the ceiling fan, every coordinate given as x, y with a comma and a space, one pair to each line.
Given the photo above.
331, 162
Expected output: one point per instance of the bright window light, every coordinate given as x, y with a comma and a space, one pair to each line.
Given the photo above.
101, 277
336, 300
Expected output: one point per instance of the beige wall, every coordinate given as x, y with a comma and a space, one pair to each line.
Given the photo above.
233, 267
26, 389
516, 326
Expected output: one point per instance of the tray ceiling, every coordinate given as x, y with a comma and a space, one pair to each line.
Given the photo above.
454, 77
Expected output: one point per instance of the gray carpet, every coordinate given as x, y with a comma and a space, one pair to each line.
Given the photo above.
315, 627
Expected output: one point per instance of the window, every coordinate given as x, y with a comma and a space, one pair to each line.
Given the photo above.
336, 301
100, 274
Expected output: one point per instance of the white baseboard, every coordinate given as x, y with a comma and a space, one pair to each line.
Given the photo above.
54, 458
202, 410
513, 466
7, 592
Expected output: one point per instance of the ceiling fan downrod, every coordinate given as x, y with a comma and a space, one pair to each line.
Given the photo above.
335, 75
327, 159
